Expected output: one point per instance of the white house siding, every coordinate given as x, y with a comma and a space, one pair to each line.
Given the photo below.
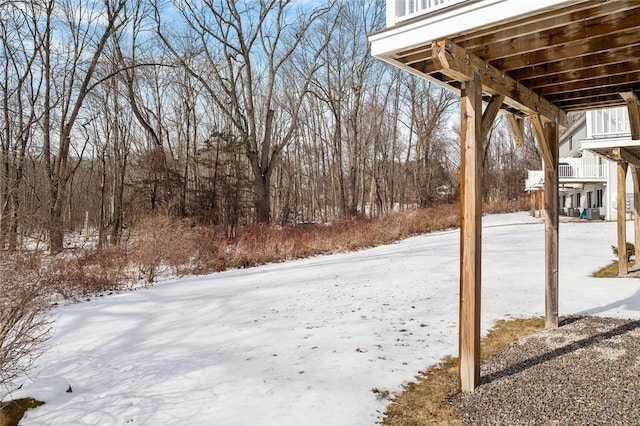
579, 194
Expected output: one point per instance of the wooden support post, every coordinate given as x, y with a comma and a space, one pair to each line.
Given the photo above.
540, 202
548, 138
636, 211
623, 268
532, 202
633, 109
551, 222
470, 234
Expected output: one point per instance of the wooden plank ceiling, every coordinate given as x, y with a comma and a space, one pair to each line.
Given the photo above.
577, 57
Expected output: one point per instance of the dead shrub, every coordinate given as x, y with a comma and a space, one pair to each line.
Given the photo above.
163, 241
255, 244
24, 319
211, 247
86, 272
507, 206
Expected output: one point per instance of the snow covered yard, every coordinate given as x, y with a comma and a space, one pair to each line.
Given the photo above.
307, 341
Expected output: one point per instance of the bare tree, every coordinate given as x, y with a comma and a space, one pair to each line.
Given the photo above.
68, 80
19, 86
237, 49
342, 83
429, 108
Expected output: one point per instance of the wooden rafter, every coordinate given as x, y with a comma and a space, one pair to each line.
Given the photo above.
454, 62
546, 22
615, 25
583, 75
577, 48
578, 63
593, 84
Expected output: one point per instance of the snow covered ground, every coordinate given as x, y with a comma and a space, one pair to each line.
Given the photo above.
308, 341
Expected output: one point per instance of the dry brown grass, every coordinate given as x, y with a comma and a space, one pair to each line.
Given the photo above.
86, 272
609, 271
11, 412
426, 401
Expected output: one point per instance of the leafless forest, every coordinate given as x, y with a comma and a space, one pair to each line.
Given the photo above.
199, 135
220, 112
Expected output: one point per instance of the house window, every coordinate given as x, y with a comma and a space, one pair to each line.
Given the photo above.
599, 197
570, 143
578, 200
589, 199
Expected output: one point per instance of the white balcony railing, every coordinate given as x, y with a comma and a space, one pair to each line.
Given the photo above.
569, 174
398, 10
583, 171
609, 122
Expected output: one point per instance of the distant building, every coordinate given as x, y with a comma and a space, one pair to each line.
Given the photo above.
587, 180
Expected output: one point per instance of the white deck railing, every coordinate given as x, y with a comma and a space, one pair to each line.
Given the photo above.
609, 122
584, 171
399, 10
570, 174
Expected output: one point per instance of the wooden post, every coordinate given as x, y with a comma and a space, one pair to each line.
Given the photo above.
470, 234
540, 203
623, 268
532, 203
636, 211
548, 141
551, 222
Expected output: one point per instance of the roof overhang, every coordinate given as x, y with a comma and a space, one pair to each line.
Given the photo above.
619, 150
547, 57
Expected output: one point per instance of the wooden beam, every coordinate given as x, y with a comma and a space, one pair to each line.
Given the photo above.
516, 125
633, 105
490, 113
471, 146
623, 268
456, 63
622, 155
551, 222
